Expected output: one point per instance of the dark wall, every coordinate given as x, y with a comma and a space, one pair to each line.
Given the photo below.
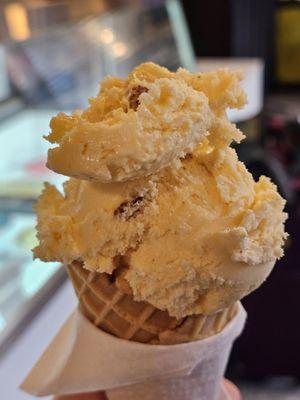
252, 31
209, 23
240, 28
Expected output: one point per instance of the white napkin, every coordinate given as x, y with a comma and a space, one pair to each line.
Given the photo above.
82, 358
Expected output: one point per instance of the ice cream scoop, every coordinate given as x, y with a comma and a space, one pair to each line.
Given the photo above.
136, 126
191, 240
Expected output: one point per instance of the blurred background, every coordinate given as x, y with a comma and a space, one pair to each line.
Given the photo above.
52, 56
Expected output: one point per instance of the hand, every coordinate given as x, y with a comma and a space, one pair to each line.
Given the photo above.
232, 390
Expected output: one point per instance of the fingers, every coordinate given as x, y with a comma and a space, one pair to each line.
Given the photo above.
232, 390
83, 396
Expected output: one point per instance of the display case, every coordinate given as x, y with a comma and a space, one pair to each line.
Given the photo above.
52, 59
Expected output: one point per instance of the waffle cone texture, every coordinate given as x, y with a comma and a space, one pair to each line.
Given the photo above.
108, 303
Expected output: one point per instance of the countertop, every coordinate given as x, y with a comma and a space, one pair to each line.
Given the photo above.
18, 360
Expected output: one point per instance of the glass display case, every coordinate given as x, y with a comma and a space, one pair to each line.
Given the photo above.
24, 283
61, 67
45, 68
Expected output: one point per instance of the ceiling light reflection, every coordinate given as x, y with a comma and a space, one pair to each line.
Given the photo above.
119, 49
17, 21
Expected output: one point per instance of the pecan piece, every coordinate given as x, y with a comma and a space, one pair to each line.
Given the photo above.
134, 96
188, 156
129, 209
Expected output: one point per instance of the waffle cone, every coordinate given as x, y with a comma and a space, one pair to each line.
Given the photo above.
108, 303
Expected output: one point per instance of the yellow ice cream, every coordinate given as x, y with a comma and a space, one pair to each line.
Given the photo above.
139, 125
192, 234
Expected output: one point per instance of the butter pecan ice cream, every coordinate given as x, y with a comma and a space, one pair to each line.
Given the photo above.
139, 125
157, 192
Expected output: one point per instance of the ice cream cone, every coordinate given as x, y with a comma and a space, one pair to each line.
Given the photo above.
107, 302
162, 210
